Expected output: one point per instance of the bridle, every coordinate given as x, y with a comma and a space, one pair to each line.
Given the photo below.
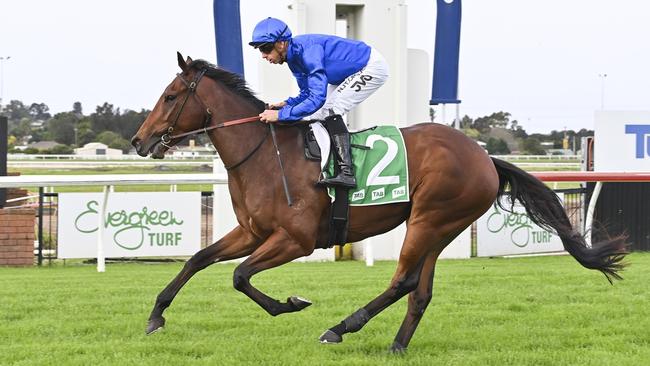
166, 138
191, 90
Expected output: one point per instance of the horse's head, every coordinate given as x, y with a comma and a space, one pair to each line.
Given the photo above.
178, 110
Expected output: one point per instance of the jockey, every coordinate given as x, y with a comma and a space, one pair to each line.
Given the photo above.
334, 74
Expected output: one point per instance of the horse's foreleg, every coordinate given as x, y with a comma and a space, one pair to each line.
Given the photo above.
278, 249
235, 244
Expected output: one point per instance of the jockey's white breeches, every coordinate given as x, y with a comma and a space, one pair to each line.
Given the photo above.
355, 88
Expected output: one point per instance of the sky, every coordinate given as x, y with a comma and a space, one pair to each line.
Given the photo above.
541, 60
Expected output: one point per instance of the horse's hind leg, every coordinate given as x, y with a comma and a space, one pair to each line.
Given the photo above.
414, 254
418, 301
419, 298
235, 244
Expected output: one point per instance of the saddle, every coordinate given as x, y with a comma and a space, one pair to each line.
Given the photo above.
312, 150
379, 156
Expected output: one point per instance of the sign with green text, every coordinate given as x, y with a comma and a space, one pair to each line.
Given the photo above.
142, 224
500, 232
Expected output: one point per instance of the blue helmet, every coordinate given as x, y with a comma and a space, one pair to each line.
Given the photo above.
270, 30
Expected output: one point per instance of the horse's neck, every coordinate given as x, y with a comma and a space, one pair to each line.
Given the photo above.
235, 142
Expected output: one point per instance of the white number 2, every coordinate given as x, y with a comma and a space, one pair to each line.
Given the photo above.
373, 177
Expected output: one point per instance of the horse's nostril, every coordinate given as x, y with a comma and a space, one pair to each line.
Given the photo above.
135, 142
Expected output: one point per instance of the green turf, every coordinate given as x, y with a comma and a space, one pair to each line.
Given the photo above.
525, 311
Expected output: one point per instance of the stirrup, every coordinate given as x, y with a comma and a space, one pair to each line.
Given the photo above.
340, 180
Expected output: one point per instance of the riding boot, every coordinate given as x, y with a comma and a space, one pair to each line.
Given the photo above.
343, 156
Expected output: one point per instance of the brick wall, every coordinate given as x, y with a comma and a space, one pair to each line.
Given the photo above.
17, 237
15, 192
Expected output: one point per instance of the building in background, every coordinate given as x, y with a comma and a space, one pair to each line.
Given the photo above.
97, 148
193, 151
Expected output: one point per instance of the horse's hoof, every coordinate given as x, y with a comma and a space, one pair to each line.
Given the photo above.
330, 337
298, 303
155, 325
397, 348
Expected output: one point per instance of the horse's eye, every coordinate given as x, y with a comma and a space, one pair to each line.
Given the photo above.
169, 98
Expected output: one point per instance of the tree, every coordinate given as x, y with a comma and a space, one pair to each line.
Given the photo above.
107, 137
21, 128
472, 133
62, 128
114, 141
39, 112
121, 144
130, 122
77, 109
497, 146
532, 146
495, 120
482, 124
466, 122
519, 133
59, 150
499, 119
514, 125
105, 118
31, 150
16, 111
11, 141
38, 135
85, 133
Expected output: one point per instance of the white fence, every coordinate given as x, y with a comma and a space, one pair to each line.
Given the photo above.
538, 157
127, 157
564, 162
133, 157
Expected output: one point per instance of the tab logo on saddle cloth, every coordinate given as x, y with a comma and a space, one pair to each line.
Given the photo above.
380, 167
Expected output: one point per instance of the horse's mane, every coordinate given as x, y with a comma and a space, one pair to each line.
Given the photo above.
232, 81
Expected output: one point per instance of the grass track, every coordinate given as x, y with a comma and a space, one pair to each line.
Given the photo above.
525, 311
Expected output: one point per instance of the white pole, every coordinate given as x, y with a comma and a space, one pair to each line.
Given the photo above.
590, 213
602, 91
101, 261
367, 249
2, 63
444, 114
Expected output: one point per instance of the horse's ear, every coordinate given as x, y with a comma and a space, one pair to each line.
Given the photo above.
181, 63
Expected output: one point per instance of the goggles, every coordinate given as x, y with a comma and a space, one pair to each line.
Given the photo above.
267, 47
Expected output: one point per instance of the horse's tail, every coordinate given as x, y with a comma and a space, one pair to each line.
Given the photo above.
545, 209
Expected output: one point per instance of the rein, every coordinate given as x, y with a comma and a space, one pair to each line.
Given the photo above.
166, 139
220, 125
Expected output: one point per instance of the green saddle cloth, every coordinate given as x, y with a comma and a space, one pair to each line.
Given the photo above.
380, 168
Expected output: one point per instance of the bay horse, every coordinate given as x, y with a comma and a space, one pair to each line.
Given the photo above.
453, 182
